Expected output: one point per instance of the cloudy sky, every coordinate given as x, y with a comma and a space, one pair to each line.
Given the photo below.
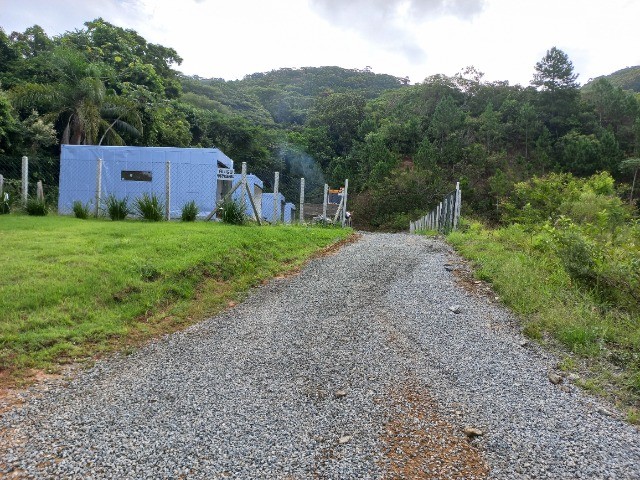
414, 38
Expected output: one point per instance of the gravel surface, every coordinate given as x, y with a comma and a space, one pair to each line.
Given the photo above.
356, 368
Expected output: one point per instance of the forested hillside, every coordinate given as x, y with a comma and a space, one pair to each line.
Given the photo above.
402, 146
627, 79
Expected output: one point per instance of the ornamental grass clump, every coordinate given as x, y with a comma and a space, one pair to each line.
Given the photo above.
189, 211
117, 208
36, 207
149, 207
81, 210
232, 212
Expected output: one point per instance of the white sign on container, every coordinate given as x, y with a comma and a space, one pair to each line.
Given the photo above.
225, 173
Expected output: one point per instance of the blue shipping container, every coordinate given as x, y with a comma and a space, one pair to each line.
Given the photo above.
198, 174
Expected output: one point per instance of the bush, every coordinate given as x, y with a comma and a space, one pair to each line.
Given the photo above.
149, 207
5, 204
117, 208
37, 207
232, 212
189, 211
81, 210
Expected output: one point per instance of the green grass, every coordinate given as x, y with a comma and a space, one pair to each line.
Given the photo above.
530, 278
72, 289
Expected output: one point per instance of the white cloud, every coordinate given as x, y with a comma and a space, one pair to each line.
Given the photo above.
232, 38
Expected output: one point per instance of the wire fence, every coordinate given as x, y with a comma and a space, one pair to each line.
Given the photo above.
444, 218
39, 169
170, 181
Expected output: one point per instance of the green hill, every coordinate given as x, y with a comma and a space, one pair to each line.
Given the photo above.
627, 79
283, 96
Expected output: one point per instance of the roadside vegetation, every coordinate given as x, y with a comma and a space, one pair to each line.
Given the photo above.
566, 256
73, 289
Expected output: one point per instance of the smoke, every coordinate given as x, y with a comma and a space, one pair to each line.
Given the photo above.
382, 21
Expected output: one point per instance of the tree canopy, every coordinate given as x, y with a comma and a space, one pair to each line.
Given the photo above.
406, 144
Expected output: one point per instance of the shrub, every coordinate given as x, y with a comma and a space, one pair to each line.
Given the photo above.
37, 207
5, 204
149, 207
232, 212
81, 210
189, 211
117, 208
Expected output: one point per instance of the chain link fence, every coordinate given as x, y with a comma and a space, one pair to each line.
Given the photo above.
38, 169
168, 180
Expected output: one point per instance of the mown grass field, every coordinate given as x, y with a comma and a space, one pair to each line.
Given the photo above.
530, 278
73, 289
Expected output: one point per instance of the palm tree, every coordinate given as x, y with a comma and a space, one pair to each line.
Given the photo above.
79, 102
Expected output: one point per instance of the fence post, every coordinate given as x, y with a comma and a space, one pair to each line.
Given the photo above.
1, 188
344, 205
301, 214
276, 184
243, 187
456, 218
25, 179
167, 191
39, 191
324, 203
98, 187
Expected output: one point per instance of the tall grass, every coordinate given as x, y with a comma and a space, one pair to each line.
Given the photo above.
531, 277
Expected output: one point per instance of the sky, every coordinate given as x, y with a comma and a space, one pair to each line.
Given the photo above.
416, 38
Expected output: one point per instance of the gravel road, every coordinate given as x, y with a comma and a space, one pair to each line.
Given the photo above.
356, 368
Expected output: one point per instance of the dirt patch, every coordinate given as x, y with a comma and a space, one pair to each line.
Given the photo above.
463, 273
420, 444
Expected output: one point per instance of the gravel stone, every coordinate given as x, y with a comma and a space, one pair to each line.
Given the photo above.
251, 393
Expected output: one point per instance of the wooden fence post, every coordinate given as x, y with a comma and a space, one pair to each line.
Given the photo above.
25, 179
98, 187
344, 205
276, 184
167, 191
243, 187
301, 214
40, 191
324, 203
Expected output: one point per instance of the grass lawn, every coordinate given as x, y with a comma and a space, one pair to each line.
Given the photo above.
72, 289
531, 280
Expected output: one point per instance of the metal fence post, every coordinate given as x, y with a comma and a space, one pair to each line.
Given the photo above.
276, 184
456, 219
167, 190
25, 179
301, 214
98, 187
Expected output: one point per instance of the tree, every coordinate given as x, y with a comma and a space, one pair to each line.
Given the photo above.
341, 114
558, 99
490, 127
447, 118
631, 164
78, 100
555, 72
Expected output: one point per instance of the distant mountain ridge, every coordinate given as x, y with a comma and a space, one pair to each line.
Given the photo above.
284, 96
628, 79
